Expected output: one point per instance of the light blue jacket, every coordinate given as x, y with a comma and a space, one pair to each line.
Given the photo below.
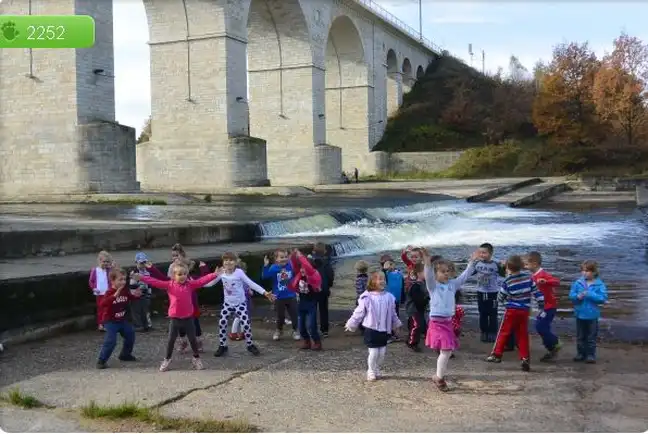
589, 307
442, 295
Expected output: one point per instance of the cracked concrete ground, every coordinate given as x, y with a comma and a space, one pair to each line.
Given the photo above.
286, 389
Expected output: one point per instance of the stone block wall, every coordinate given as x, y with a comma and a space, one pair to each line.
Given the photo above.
404, 162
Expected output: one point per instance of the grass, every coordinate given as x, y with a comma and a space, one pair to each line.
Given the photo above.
132, 411
19, 399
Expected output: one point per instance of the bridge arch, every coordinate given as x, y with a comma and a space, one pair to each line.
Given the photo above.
420, 72
279, 61
347, 92
392, 61
393, 83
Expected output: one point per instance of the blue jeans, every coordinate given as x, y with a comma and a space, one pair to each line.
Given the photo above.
586, 334
126, 330
543, 327
307, 318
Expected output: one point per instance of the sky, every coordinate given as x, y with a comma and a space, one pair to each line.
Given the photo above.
527, 29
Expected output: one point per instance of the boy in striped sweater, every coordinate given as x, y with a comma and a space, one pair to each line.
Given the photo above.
516, 292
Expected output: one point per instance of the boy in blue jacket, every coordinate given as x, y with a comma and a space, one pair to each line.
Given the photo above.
587, 294
281, 273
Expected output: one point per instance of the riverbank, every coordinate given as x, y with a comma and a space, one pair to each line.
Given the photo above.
609, 396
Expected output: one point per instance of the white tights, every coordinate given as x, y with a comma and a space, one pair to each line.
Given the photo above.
375, 360
236, 325
442, 363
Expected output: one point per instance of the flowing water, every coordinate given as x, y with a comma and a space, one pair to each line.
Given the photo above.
617, 238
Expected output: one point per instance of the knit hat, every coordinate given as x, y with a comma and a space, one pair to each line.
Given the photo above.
141, 257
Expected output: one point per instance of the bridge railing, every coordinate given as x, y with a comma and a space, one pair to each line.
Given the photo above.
398, 23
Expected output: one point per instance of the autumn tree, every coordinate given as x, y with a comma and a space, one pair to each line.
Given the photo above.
564, 109
146, 133
620, 88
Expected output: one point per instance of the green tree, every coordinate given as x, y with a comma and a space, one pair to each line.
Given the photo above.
146, 133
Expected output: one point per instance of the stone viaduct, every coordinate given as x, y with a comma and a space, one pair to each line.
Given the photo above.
322, 78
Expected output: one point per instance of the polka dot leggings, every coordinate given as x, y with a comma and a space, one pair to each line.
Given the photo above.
240, 311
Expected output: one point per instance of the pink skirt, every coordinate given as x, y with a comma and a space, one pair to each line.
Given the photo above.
440, 335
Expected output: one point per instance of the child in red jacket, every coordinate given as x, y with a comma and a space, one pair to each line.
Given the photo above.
307, 282
547, 284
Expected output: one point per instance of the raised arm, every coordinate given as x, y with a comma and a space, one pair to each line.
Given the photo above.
155, 283
430, 280
463, 277
249, 282
405, 258
213, 282
156, 273
202, 281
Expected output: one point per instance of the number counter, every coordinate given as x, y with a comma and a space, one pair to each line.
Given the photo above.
47, 31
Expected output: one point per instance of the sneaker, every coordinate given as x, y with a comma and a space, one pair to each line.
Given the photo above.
579, 358
296, 336
165, 365
183, 345
317, 346
493, 359
221, 351
196, 363
101, 365
305, 345
590, 360
526, 365
253, 350
288, 322
556, 348
547, 357
128, 358
277, 335
390, 340
324, 335
371, 377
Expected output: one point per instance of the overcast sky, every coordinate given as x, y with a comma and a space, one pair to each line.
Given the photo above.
528, 30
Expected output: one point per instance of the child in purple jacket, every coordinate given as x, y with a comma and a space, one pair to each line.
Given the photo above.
376, 312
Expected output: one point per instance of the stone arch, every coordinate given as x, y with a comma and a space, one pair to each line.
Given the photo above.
420, 72
408, 77
279, 76
347, 93
392, 61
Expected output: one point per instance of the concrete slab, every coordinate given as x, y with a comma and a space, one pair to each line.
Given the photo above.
526, 192
17, 420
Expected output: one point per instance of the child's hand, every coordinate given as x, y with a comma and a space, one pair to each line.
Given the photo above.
201, 264
349, 329
270, 296
266, 260
136, 292
474, 256
218, 270
582, 295
148, 264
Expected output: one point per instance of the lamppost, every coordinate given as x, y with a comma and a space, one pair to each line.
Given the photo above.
421, 20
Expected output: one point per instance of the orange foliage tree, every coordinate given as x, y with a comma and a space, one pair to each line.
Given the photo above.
564, 108
620, 89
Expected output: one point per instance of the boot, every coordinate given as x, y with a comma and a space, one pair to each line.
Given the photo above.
317, 346
305, 345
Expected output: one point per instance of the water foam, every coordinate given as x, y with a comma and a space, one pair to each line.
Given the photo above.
455, 223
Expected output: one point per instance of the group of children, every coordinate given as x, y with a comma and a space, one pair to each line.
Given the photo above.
301, 286
429, 289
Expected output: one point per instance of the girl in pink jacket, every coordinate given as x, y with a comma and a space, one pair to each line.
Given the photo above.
180, 290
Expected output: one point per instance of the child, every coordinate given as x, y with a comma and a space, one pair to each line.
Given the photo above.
417, 301
411, 256
587, 294
488, 272
237, 329
376, 311
384, 258
546, 283
141, 306
395, 283
361, 268
180, 290
114, 303
177, 252
442, 289
516, 292
99, 284
281, 273
234, 302
322, 263
307, 282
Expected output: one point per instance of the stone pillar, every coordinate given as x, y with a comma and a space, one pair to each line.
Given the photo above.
199, 100
57, 113
394, 92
